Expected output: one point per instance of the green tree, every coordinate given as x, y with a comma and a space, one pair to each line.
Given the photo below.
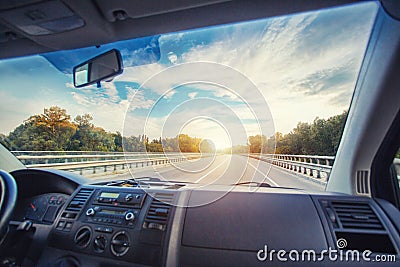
170, 144
118, 141
53, 119
84, 121
51, 130
206, 146
257, 143
154, 147
188, 144
336, 125
318, 138
302, 138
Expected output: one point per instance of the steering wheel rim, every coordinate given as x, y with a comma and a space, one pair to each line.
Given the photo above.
8, 199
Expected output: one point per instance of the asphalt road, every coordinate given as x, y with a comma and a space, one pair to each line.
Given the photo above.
226, 170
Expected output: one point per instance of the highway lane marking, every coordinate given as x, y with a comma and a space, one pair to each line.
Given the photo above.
272, 181
204, 176
163, 170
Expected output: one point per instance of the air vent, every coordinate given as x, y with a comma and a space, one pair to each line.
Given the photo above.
120, 244
82, 237
77, 203
356, 215
157, 215
362, 182
356, 226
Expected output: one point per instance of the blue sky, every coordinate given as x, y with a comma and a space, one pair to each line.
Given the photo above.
223, 83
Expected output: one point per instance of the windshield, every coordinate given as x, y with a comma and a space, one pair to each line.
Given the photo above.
261, 101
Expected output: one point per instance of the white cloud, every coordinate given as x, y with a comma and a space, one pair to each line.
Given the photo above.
297, 85
294, 73
80, 99
293, 69
108, 107
172, 57
192, 95
111, 91
15, 110
70, 85
136, 99
169, 94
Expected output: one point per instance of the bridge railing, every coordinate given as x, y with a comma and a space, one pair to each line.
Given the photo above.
84, 160
314, 166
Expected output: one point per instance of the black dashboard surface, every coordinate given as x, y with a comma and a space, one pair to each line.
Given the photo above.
98, 225
255, 221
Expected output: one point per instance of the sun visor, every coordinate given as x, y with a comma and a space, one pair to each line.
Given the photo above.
121, 9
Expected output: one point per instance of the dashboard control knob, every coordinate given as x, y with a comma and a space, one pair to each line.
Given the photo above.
90, 212
100, 243
128, 197
129, 216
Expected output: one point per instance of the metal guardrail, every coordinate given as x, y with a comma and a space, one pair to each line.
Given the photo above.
72, 161
50, 157
308, 165
82, 160
305, 164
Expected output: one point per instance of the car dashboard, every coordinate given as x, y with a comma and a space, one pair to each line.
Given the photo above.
156, 224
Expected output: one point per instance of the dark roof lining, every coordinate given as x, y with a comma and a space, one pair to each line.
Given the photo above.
10, 4
98, 30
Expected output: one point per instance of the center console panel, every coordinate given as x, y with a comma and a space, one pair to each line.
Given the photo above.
124, 224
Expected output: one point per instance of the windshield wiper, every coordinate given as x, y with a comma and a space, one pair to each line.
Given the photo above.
255, 184
265, 185
127, 182
144, 181
159, 180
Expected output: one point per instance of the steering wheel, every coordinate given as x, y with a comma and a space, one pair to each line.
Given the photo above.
8, 198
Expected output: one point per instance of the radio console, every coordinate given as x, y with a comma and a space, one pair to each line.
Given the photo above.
112, 222
119, 199
114, 208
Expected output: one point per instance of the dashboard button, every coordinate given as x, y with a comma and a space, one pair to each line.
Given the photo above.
60, 225
68, 226
60, 200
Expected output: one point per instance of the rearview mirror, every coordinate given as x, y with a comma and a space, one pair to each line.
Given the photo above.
102, 67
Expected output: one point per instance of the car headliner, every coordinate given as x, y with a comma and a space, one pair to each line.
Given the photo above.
145, 18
